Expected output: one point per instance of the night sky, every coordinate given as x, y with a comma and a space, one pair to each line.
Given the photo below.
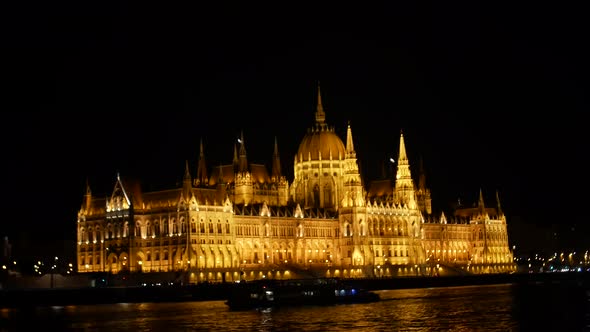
490, 96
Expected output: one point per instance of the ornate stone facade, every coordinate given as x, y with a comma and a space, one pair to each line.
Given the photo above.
243, 222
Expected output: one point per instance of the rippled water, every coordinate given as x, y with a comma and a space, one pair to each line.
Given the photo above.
474, 308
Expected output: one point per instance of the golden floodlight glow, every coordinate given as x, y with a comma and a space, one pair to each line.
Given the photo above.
330, 206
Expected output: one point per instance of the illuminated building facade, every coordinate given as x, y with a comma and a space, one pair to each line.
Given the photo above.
241, 221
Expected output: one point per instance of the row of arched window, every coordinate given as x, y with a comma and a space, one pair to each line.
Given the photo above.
148, 229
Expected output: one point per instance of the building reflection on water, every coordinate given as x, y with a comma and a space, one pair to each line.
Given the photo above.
506, 307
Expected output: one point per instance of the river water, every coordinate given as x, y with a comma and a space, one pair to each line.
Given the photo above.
503, 307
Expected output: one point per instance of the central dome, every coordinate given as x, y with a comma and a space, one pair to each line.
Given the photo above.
320, 142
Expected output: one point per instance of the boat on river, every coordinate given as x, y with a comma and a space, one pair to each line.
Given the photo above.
265, 293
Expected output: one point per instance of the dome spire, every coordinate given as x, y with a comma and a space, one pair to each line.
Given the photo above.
320, 116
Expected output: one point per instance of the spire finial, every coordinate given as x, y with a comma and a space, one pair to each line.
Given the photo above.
276, 162
201, 151
187, 174
349, 144
88, 191
402, 148
201, 178
320, 116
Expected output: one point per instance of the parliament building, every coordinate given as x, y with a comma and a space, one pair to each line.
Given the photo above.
240, 221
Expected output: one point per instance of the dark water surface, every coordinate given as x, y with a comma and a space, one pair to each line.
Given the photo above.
542, 307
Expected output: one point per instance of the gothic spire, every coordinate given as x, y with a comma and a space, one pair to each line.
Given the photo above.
276, 162
236, 161
403, 165
498, 202
422, 175
202, 177
88, 191
186, 182
404, 185
320, 116
481, 203
87, 196
187, 173
349, 144
402, 149
243, 164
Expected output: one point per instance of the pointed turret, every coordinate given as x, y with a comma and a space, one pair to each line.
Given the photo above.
186, 181
421, 175
349, 145
202, 179
243, 163
402, 148
276, 162
500, 213
236, 161
87, 196
481, 206
320, 116
352, 178
423, 193
404, 185
88, 191
480, 203
187, 173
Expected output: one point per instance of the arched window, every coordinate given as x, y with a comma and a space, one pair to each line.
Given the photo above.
182, 226
316, 196
165, 227
157, 228
174, 226
327, 195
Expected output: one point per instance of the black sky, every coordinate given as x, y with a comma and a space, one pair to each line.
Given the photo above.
490, 96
